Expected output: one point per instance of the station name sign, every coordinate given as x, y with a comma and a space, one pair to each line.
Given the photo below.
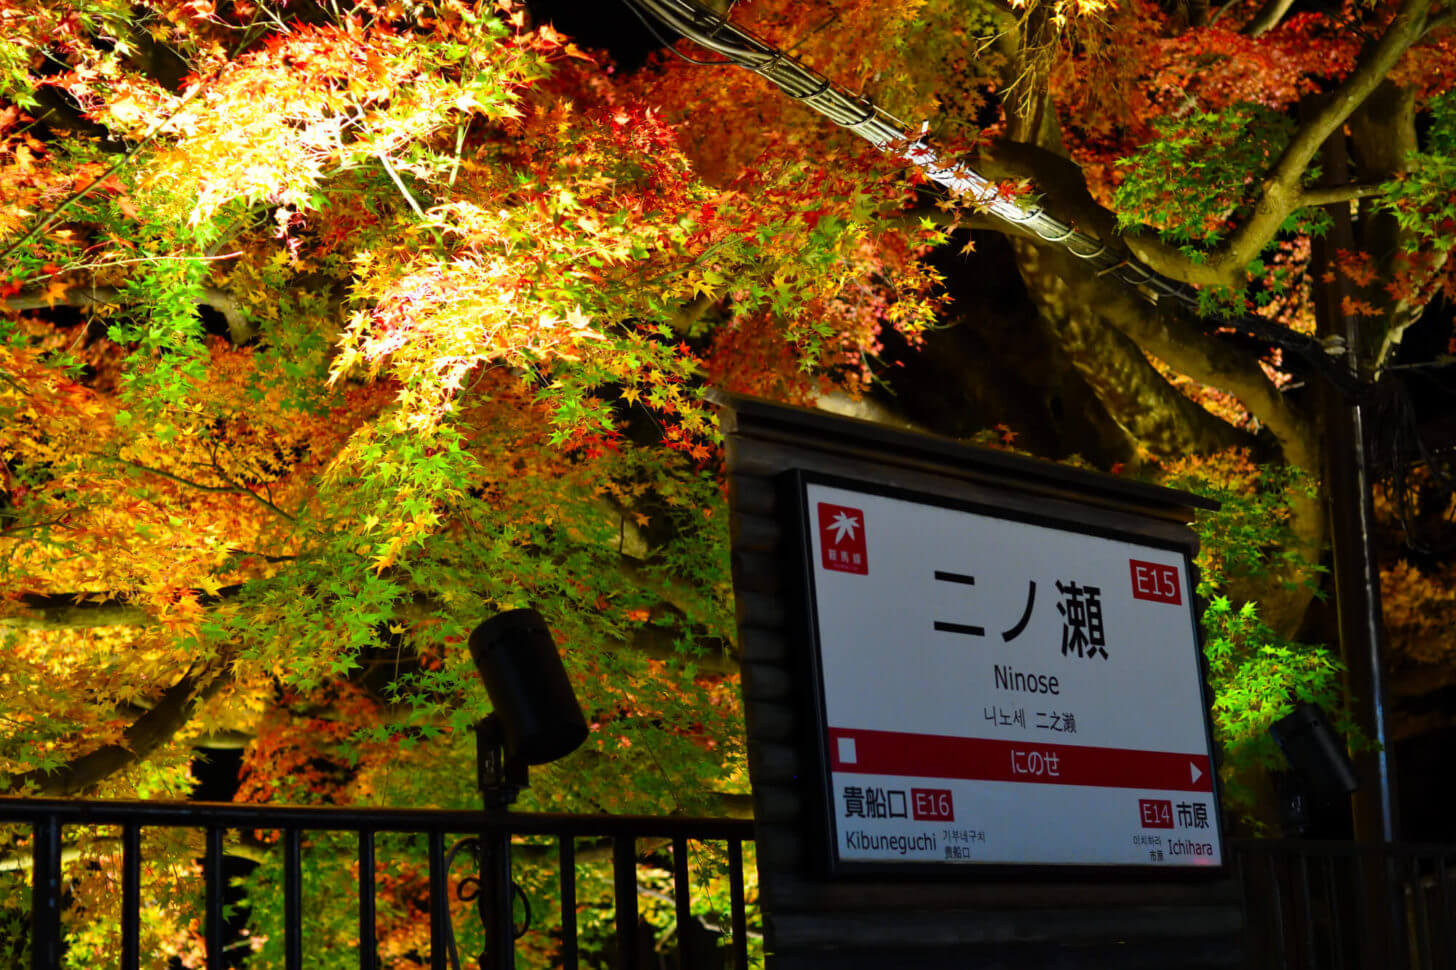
1002, 690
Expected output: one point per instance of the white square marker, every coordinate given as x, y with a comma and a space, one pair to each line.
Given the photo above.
846, 751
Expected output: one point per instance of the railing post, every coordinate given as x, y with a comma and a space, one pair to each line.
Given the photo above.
45, 895
131, 895
439, 900
1276, 893
496, 899
1303, 902
737, 904
624, 870
292, 899
368, 957
568, 902
1389, 904
1447, 942
1372, 924
212, 891
1332, 906
681, 896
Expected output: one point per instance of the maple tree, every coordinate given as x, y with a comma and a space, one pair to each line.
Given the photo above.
330, 329
294, 397
1266, 155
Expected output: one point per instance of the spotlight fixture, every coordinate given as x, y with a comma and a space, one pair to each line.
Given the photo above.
535, 719
1315, 751
536, 713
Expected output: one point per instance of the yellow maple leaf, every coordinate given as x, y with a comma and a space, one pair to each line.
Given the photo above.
577, 318
391, 551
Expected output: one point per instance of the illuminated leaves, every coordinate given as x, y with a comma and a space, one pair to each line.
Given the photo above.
338, 99
1256, 674
1258, 677
1145, 66
1419, 607
1423, 201
1213, 155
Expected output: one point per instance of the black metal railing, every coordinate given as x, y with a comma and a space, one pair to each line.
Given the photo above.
1337, 905
1308, 904
48, 820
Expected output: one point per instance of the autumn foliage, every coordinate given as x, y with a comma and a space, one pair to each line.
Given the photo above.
330, 329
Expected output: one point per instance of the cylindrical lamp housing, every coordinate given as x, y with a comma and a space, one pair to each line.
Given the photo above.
1315, 751
528, 687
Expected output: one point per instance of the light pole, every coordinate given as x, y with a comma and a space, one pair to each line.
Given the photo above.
536, 719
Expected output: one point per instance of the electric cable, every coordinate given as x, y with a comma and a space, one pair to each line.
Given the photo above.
652, 29
859, 114
468, 890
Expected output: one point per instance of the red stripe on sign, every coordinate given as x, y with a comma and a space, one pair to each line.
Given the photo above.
981, 759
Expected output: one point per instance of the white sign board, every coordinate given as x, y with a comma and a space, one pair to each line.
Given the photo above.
997, 691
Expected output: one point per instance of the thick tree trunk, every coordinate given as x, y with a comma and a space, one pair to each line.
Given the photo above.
1109, 329
1382, 138
1154, 413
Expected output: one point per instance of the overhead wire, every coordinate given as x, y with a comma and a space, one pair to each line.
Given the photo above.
665, 42
859, 114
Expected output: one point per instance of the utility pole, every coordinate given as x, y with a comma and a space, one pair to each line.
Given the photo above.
1345, 448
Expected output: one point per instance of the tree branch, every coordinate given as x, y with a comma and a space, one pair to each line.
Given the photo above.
1335, 194
197, 486
1439, 20
1280, 192
1382, 139
1163, 331
682, 320
85, 611
1155, 414
239, 328
394, 177
62, 611
659, 644
866, 408
1060, 181
147, 733
1267, 18
1064, 191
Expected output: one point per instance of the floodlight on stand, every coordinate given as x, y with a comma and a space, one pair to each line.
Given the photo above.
536, 717
1315, 751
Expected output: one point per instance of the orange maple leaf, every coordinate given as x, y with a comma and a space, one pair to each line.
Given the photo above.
55, 290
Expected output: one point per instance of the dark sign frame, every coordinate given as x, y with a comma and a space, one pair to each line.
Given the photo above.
811, 702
